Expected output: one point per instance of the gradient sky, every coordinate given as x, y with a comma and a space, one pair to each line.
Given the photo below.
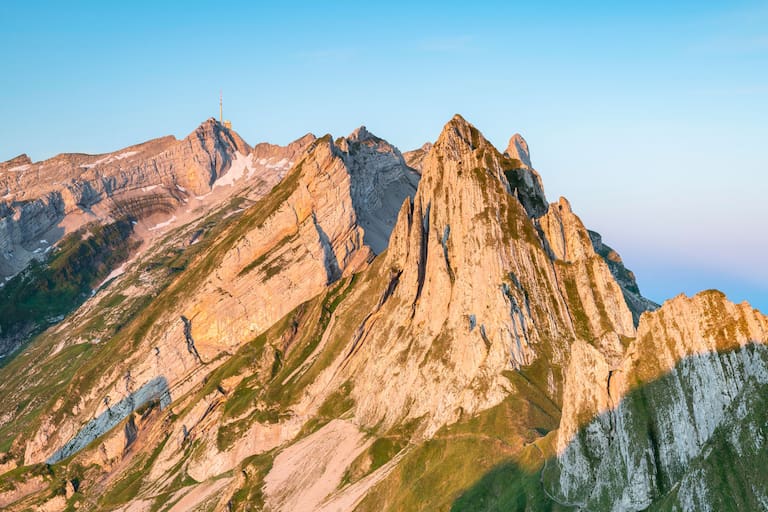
652, 119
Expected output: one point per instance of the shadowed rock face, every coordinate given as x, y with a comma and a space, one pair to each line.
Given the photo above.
380, 182
156, 389
625, 277
524, 180
647, 431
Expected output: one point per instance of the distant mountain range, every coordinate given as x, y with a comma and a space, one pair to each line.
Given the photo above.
334, 325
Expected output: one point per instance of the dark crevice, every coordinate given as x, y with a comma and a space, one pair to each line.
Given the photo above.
485, 337
611, 413
544, 241
190, 341
358, 336
331, 262
131, 432
394, 279
444, 242
423, 254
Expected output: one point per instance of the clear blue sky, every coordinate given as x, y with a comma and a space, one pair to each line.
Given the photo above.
652, 119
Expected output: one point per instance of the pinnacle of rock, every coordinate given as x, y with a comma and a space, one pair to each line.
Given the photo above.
360, 134
459, 133
518, 149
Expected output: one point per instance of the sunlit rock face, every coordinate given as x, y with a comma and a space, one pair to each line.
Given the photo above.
415, 158
336, 210
284, 250
473, 291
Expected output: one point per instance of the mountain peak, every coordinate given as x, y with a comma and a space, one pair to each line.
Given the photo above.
459, 139
360, 134
518, 149
20, 160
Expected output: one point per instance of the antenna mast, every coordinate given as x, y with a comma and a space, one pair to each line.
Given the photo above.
221, 106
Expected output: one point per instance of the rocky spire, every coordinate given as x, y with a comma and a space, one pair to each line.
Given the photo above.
360, 134
518, 149
475, 293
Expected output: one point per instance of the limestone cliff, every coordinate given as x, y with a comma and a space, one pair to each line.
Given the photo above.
415, 158
472, 292
305, 235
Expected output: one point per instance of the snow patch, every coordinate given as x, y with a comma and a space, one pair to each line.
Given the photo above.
19, 168
240, 167
161, 225
115, 273
125, 154
282, 164
109, 158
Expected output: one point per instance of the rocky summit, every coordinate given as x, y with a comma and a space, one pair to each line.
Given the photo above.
334, 325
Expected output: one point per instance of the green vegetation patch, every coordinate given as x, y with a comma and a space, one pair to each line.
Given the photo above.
47, 291
250, 496
466, 463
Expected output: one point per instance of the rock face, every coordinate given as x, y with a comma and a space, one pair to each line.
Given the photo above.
44, 200
518, 149
472, 293
573, 245
335, 212
337, 326
380, 181
625, 277
415, 158
307, 234
271, 162
524, 180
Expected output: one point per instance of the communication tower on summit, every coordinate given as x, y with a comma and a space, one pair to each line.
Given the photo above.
227, 124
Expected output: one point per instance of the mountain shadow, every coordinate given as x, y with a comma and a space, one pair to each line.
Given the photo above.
689, 440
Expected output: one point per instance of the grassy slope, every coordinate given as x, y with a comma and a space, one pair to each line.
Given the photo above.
465, 465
